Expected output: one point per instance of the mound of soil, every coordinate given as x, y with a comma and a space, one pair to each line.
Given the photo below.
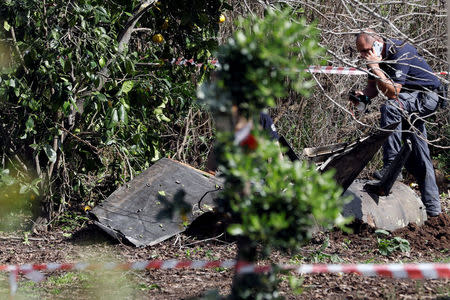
429, 241
435, 233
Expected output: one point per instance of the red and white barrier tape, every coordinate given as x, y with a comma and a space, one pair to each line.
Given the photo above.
335, 70
183, 62
413, 271
310, 69
345, 70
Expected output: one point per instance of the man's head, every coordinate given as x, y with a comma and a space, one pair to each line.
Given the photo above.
365, 40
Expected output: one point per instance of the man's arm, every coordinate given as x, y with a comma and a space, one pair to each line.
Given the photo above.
388, 87
384, 84
371, 89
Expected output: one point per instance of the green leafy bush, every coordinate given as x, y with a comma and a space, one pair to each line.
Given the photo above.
85, 94
278, 203
265, 58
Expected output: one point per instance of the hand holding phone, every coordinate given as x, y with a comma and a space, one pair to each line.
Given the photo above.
377, 48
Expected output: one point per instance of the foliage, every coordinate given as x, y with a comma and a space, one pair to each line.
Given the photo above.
258, 67
272, 201
70, 221
18, 193
317, 256
268, 209
85, 106
387, 246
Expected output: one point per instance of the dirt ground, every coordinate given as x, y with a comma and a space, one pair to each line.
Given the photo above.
429, 243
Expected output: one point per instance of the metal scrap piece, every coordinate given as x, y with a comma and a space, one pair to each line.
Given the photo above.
151, 208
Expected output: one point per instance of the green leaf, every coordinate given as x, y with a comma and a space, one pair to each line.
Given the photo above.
382, 231
6, 26
235, 229
66, 106
51, 154
127, 86
102, 62
29, 124
255, 222
101, 97
123, 115
114, 118
23, 189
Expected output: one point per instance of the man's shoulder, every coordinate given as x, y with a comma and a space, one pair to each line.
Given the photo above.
399, 48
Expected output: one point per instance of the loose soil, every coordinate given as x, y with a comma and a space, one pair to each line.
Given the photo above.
429, 243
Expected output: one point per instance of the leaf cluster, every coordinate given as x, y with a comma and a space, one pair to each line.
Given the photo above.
387, 246
277, 203
266, 57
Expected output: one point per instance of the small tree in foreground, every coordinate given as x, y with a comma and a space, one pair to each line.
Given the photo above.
273, 203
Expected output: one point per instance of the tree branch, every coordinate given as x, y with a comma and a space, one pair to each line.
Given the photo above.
13, 35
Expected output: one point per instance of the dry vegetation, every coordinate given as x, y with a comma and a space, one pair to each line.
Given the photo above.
325, 117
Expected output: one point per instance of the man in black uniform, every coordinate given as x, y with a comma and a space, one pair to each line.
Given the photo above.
408, 82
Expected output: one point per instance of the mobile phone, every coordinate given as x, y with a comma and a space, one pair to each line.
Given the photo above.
377, 48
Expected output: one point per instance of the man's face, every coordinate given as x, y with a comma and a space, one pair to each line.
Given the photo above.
364, 47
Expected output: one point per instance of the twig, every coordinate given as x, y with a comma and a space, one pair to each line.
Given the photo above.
13, 35
186, 133
216, 239
97, 151
7, 238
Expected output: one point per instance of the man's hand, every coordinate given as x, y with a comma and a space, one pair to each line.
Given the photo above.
372, 59
354, 97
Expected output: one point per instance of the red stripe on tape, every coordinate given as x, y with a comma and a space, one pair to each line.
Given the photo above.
183, 264
66, 266
413, 272
262, 269
155, 264
39, 267
383, 271
443, 270
213, 264
320, 268
350, 269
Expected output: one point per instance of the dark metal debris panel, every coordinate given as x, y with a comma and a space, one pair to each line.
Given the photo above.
349, 159
148, 210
